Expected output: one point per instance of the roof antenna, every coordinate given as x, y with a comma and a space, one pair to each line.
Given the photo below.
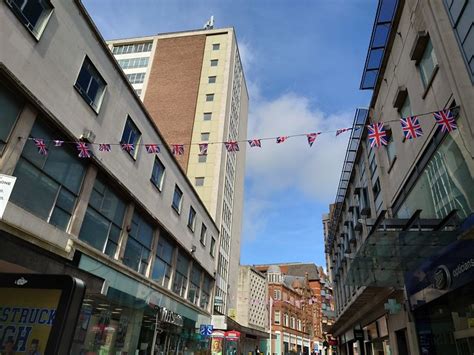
209, 25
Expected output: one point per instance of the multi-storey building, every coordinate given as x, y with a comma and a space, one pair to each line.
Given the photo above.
128, 223
400, 238
193, 85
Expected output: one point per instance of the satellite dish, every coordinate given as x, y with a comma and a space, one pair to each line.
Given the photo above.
209, 25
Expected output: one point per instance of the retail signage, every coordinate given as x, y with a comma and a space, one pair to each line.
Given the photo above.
359, 334
206, 329
38, 313
6, 186
164, 315
218, 301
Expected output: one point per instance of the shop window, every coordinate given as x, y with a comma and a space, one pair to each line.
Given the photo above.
194, 285
103, 220
48, 185
164, 255
11, 108
34, 14
181, 275
90, 85
137, 251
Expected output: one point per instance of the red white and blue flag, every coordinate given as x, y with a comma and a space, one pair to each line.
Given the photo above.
203, 147
232, 146
342, 130
177, 149
104, 147
41, 145
83, 149
58, 143
152, 148
311, 138
377, 135
445, 120
128, 147
411, 127
255, 143
281, 139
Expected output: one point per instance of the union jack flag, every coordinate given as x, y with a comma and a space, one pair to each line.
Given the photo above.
342, 130
41, 146
203, 148
255, 143
104, 147
58, 143
232, 146
312, 138
83, 150
281, 139
152, 148
445, 120
128, 147
411, 127
377, 135
177, 149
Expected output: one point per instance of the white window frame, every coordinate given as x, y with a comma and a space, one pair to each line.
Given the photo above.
43, 20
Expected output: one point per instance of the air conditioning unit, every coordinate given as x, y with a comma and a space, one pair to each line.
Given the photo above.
88, 136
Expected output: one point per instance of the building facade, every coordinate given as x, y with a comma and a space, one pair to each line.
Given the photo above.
400, 237
193, 85
90, 200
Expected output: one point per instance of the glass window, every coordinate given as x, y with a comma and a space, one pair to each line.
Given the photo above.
390, 148
212, 80
132, 48
133, 63
90, 85
48, 185
191, 218
205, 136
137, 251
277, 317
181, 276
202, 238
34, 14
427, 64
136, 78
405, 110
212, 251
102, 223
131, 135
11, 107
164, 255
194, 285
207, 116
209, 97
177, 199
214, 62
199, 181
202, 158
158, 173
216, 46
206, 291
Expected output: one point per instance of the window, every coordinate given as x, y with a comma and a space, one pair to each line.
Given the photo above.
191, 218
11, 109
207, 116
212, 251
405, 110
133, 63
285, 320
205, 136
131, 135
209, 97
194, 284
181, 276
90, 85
390, 148
202, 238
276, 319
293, 323
211, 80
34, 14
132, 48
199, 181
136, 78
158, 173
202, 158
137, 251
214, 62
164, 255
102, 223
48, 185
205, 292
177, 199
428, 64
216, 46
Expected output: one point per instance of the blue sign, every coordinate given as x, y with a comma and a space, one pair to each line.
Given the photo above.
206, 329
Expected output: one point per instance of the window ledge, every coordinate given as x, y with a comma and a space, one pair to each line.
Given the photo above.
392, 163
430, 82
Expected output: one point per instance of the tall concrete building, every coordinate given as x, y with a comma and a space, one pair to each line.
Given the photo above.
193, 85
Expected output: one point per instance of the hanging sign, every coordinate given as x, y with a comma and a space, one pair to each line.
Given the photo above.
6, 186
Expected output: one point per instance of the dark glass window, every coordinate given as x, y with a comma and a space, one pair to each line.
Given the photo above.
195, 284
202, 238
131, 135
158, 173
34, 14
207, 116
90, 85
164, 256
177, 199
212, 80
206, 291
214, 62
210, 97
137, 251
11, 107
192, 218
181, 276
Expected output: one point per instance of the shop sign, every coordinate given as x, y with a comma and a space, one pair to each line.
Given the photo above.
6, 186
359, 334
218, 301
164, 315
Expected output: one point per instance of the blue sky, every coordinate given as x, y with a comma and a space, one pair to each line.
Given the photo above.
303, 61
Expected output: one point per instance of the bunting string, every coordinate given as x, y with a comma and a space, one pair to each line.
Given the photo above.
377, 135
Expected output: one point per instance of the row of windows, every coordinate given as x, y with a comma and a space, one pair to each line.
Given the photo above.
133, 62
132, 48
136, 78
290, 322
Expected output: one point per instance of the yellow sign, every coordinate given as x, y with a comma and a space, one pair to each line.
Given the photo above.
26, 318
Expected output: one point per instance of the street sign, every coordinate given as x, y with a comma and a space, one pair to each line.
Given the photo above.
206, 329
6, 187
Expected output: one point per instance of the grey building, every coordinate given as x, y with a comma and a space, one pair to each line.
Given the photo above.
121, 220
399, 242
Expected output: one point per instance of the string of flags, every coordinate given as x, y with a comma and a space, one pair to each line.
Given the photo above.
377, 136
